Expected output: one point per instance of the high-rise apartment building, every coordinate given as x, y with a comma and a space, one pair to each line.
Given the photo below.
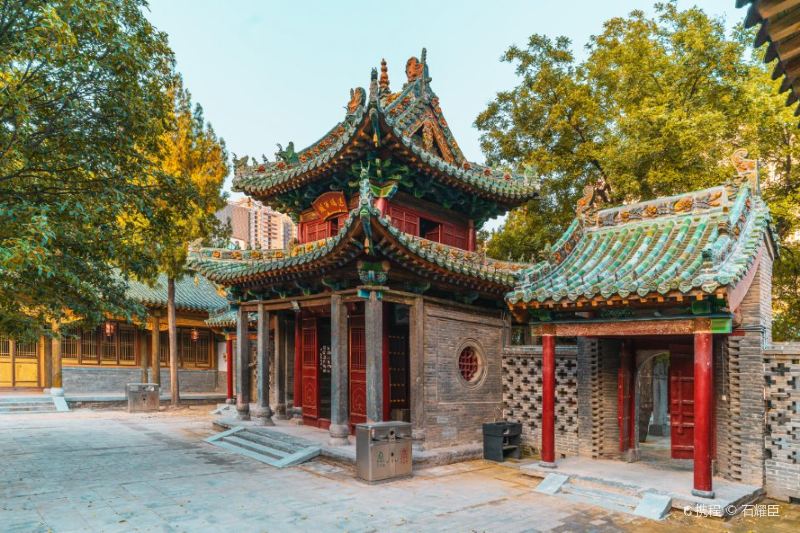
254, 225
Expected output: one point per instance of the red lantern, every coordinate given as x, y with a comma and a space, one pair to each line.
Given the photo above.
109, 328
195, 335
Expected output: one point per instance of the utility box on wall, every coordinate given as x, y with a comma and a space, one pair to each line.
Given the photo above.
143, 397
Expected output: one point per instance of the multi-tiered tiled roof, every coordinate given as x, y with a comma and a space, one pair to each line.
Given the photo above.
698, 243
365, 231
409, 125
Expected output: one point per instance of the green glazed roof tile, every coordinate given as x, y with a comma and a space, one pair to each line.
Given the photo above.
230, 267
192, 293
697, 241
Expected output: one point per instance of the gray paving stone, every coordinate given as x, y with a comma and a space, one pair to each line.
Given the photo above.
114, 471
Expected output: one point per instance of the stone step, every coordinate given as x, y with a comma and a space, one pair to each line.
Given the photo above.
255, 447
13, 400
272, 448
605, 498
26, 409
606, 486
270, 441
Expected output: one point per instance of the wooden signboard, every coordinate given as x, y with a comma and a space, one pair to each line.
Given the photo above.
330, 204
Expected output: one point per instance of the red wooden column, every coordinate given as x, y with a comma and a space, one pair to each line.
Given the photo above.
703, 404
297, 400
471, 236
548, 451
229, 369
626, 398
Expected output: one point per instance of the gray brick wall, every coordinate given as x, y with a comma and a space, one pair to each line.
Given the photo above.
782, 436
85, 379
607, 445
744, 441
522, 396
455, 411
590, 413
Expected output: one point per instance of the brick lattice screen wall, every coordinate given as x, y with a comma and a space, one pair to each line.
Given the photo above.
782, 437
522, 395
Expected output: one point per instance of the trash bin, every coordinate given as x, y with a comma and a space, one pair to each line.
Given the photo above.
142, 397
501, 440
383, 450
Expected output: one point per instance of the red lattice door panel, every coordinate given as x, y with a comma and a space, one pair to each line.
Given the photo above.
681, 405
358, 371
398, 370
310, 353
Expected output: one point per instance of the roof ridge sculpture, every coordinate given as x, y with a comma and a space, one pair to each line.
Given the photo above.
412, 115
696, 241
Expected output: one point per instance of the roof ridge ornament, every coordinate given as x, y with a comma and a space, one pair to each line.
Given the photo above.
288, 156
357, 97
384, 80
746, 169
595, 195
417, 69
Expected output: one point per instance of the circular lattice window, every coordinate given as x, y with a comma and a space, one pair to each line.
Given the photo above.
470, 365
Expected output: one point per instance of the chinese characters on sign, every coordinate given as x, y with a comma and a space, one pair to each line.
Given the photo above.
751, 510
330, 204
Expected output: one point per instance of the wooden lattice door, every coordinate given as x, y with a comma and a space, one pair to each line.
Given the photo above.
310, 352
19, 364
357, 351
681, 405
399, 373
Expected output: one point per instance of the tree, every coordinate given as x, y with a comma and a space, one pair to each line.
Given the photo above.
82, 106
195, 157
656, 108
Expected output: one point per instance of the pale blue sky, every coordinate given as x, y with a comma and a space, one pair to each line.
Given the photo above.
270, 72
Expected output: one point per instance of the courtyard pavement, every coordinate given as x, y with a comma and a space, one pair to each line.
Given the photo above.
111, 471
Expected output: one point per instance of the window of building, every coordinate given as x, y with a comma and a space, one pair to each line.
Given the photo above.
404, 220
101, 346
194, 349
408, 221
470, 365
315, 230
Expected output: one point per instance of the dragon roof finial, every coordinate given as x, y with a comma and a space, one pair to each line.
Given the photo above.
594, 196
746, 169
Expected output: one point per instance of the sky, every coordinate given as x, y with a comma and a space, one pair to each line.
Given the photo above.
268, 71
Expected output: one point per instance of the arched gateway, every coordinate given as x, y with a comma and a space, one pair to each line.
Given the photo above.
383, 309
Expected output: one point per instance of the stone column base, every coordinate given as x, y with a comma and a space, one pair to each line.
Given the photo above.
56, 391
242, 412
263, 416
703, 493
297, 415
339, 435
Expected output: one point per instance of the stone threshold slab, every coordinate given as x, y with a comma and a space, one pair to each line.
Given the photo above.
640, 478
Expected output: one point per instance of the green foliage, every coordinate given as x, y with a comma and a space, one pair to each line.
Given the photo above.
193, 156
656, 108
82, 106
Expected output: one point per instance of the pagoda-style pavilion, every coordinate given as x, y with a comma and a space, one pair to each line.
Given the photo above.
683, 281
385, 309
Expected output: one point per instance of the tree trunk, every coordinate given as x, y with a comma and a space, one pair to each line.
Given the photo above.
173, 343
